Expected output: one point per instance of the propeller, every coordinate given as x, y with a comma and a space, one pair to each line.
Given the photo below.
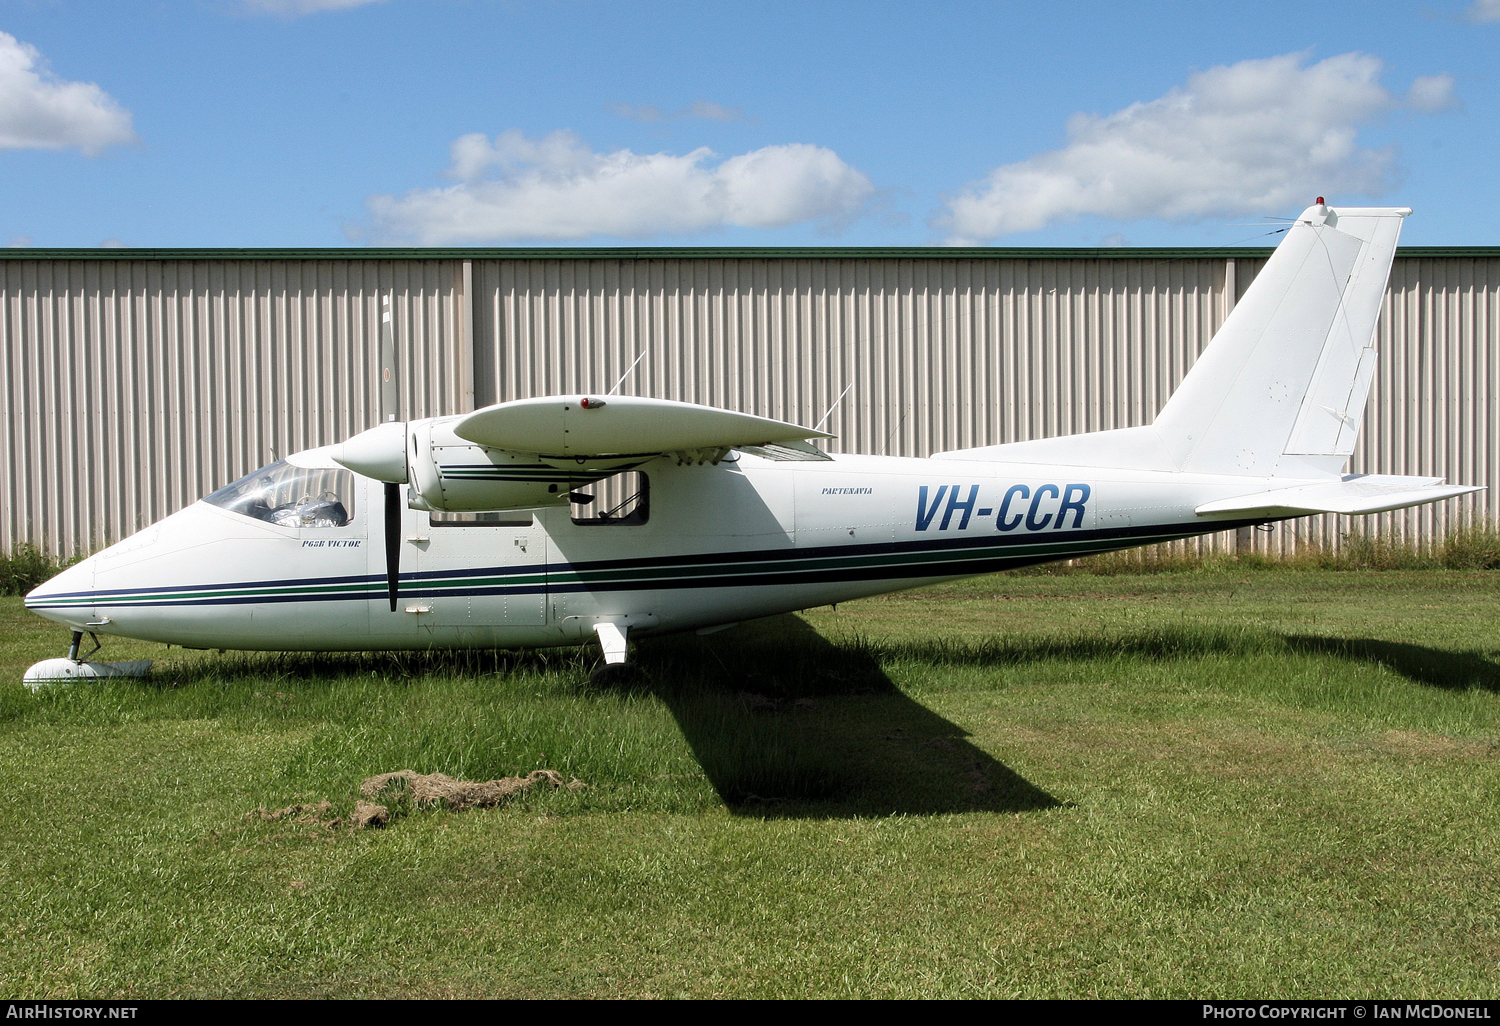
392, 541
381, 453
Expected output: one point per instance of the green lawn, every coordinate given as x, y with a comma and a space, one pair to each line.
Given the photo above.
1259, 783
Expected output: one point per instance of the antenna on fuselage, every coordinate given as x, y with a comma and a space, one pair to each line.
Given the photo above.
819, 425
632, 367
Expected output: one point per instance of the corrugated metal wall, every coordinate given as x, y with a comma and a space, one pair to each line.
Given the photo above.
1432, 408
133, 386
941, 354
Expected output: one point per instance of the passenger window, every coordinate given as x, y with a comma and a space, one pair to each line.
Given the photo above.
623, 500
509, 519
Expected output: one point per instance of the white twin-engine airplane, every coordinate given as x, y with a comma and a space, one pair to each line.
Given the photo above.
729, 517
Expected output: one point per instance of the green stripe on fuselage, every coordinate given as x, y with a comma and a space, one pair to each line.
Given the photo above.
749, 565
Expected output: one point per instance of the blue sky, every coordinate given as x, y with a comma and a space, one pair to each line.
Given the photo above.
472, 122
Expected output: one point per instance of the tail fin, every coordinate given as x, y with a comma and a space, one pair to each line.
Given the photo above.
1281, 389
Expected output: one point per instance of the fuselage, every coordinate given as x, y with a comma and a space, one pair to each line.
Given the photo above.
722, 543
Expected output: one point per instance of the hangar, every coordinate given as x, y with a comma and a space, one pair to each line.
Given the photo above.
135, 381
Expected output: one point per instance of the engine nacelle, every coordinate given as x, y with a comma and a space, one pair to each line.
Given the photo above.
445, 473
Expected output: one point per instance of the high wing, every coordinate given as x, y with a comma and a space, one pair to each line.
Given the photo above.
615, 426
604, 432
1353, 493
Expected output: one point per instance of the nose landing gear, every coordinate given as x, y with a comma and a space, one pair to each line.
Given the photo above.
71, 667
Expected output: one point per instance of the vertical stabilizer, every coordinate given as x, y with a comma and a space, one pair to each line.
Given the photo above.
1281, 389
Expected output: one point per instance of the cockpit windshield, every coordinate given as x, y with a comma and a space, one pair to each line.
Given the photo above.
291, 496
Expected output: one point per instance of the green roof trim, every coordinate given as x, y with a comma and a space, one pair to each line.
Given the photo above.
714, 253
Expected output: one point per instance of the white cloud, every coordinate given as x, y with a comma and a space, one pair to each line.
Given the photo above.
40, 111
650, 113
297, 8
20, 242
557, 188
1114, 240
1483, 12
1256, 137
113, 244
1431, 94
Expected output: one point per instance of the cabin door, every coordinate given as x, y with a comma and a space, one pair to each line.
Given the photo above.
482, 570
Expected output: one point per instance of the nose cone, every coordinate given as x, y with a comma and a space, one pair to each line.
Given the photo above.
379, 453
150, 585
67, 598
75, 596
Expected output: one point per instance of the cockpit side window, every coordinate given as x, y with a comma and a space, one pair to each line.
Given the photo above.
291, 496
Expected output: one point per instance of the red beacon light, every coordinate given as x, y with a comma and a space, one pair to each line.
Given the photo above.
1320, 201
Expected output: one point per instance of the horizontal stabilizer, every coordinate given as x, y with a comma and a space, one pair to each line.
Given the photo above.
616, 425
1353, 494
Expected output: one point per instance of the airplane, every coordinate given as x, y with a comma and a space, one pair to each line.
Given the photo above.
473, 530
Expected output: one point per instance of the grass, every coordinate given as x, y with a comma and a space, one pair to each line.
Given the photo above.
1242, 782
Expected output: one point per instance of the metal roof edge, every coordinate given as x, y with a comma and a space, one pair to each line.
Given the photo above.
712, 253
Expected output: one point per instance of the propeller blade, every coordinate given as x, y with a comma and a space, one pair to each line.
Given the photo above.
392, 541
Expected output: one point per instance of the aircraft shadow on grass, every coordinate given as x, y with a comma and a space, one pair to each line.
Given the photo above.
1434, 667
1454, 670
786, 724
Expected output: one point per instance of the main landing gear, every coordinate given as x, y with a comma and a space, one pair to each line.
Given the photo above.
616, 673
73, 667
